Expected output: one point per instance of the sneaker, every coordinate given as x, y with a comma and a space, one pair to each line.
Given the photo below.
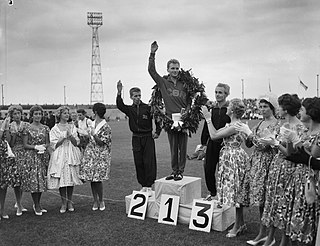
178, 177
170, 177
149, 191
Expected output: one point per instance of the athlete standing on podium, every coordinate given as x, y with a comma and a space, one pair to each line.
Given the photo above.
143, 147
176, 99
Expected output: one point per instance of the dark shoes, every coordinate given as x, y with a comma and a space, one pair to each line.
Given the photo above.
170, 177
178, 177
175, 176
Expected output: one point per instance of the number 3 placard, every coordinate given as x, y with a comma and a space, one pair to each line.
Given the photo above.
169, 206
138, 205
201, 215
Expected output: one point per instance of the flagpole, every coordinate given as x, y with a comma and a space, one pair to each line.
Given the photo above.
317, 85
242, 89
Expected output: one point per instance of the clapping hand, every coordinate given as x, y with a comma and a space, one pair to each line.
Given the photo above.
206, 113
5, 123
271, 141
241, 127
40, 148
290, 135
154, 47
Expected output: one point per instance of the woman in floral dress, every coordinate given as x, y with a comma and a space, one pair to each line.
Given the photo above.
95, 166
232, 163
281, 170
6, 164
36, 143
257, 169
16, 129
304, 216
63, 171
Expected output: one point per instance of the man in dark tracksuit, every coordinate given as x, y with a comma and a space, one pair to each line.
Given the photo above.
143, 147
219, 119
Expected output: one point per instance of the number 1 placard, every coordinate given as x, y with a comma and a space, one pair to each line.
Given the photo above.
169, 206
201, 215
138, 205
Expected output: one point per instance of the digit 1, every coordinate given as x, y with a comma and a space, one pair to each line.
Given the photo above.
168, 219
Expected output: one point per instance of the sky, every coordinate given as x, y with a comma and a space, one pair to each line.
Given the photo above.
46, 46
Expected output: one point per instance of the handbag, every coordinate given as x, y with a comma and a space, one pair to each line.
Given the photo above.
310, 187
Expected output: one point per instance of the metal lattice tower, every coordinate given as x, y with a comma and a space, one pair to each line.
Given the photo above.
95, 21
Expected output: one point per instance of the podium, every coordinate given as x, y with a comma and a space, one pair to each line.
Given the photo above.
188, 189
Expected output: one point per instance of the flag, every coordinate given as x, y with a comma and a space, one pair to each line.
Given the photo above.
269, 87
303, 85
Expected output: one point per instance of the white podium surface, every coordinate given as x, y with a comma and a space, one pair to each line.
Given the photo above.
187, 189
222, 218
152, 207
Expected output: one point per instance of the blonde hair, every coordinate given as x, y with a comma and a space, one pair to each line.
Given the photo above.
12, 108
60, 111
238, 107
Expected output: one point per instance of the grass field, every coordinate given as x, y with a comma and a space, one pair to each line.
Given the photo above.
112, 227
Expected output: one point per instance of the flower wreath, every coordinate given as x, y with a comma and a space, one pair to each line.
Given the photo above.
192, 117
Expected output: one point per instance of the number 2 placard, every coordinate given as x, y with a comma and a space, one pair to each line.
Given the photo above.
169, 206
138, 205
201, 215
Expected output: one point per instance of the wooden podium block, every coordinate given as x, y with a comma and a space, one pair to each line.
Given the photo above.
152, 207
222, 218
187, 189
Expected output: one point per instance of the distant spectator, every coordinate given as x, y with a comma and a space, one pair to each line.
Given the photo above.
51, 120
84, 127
25, 117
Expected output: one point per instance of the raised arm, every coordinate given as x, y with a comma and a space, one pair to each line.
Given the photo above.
152, 67
120, 105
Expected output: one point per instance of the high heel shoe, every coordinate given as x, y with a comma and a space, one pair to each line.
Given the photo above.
63, 209
6, 217
241, 229
102, 206
70, 207
19, 212
254, 243
35, 211
95, 206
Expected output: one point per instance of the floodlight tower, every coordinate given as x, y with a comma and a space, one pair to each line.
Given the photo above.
95, 21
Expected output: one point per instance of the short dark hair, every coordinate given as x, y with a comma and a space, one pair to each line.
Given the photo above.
270, 105
134, 89
312, 106
290, 103
99, 109
81, 111
34, 109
